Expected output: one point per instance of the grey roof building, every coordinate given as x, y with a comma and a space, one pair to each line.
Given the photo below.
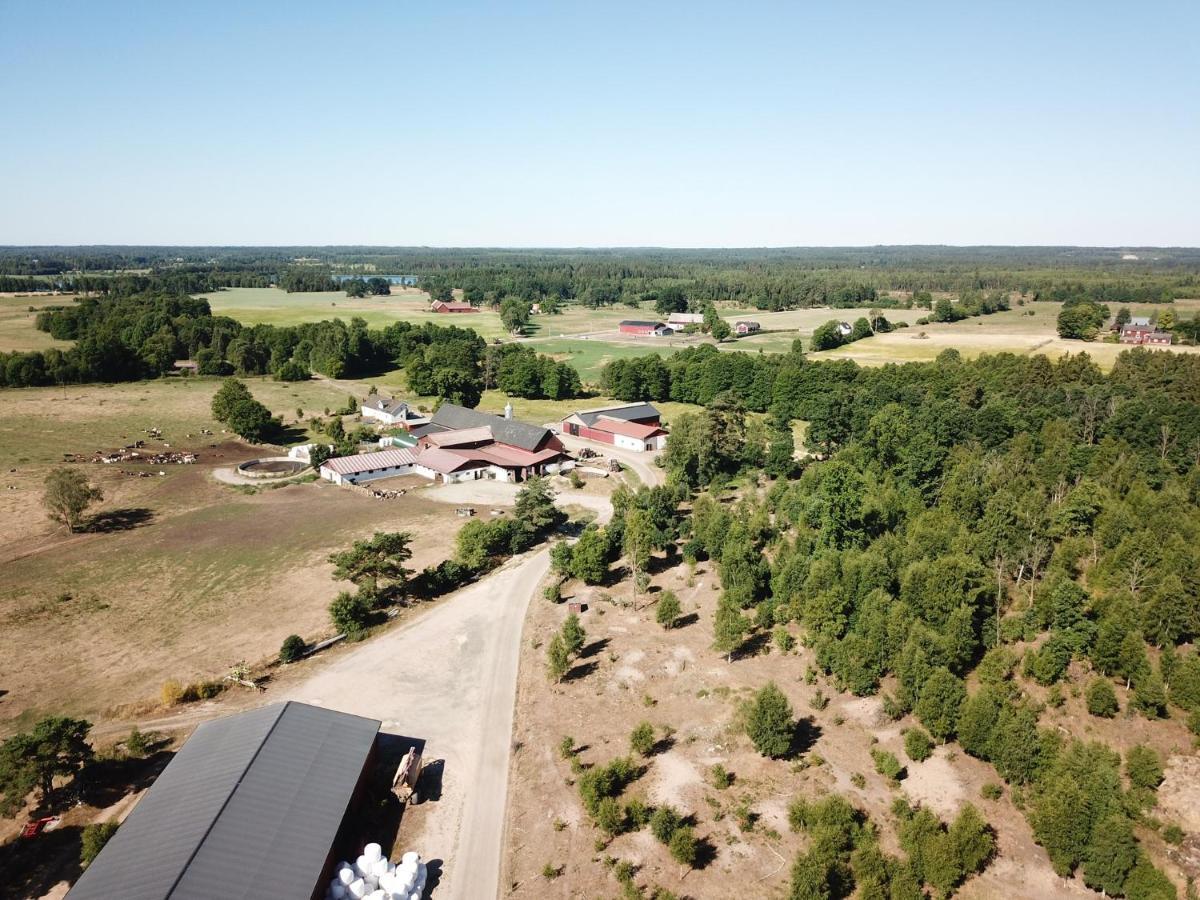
252, 803
629, 412
505, 430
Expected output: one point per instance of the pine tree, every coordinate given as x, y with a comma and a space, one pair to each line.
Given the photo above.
558, 660
573, 634
729, 627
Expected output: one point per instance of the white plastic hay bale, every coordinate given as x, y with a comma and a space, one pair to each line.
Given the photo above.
372, 852
379, 868
358, 889
346, 874
410, 858
362, 866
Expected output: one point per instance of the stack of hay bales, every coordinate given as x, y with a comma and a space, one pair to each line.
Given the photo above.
372, 877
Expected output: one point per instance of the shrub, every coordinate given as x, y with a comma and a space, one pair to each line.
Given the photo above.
1102, 699
641, 740
553, 592
668, 610
1143, 766
573, 634
886, 764
917, 744
664, 822
550, 872
637, 813
137, 743
721, 779
770, 723
610, 817
991, 791
171, 692
566, 747
684, 847
1173, 835
94, 837
350, 613
292, 649
783, 639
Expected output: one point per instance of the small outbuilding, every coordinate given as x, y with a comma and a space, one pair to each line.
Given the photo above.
631, 426
746, 327
451, 306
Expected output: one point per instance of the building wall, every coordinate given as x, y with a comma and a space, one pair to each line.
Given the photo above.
628, 443
592, 434
378, 415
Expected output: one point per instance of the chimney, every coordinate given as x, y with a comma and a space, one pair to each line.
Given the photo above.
508, 410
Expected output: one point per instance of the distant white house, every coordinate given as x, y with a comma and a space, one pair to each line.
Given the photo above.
682, 319
387, 411
844, 329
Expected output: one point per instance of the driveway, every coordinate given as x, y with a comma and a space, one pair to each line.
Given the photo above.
641, 463
450, 678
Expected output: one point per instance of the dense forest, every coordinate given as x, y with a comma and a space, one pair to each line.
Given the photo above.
976, 539
768, 279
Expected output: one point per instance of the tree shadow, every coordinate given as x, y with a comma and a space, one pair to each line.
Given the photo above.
753, 645
658, 564
593, 648
119, 520
706, 853
806, 733
580, 671
662, 745
685, 621
108, 780
286, 434
33, 866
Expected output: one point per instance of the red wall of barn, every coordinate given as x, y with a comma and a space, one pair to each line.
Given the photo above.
605, 437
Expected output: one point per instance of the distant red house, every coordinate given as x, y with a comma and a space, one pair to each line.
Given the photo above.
633, 326
451, 306
1139, 331
633, 426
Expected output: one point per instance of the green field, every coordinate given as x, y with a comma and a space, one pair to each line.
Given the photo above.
17, 316
590, 355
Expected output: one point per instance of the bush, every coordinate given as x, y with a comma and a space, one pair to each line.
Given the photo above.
783, 639
721, 779
641, 740
293, 648
94, 837
350, 613
1102, 699
553, 592
664, 822
137, 743
610, 817
917, 744
171, 692
1144, 767
991, 791
566, 747
637, 813
886, 764
770, 723
668, 610
684, 847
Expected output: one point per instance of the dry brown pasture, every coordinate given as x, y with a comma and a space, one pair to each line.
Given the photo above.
190, 576
633, 670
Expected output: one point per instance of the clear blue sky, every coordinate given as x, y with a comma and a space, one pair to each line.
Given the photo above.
601, 123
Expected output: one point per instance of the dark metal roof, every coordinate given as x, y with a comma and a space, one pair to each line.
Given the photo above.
630, 412
251, 802
642, 323
506, 431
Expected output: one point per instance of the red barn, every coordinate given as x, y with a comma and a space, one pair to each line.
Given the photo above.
634, 426
443, 306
